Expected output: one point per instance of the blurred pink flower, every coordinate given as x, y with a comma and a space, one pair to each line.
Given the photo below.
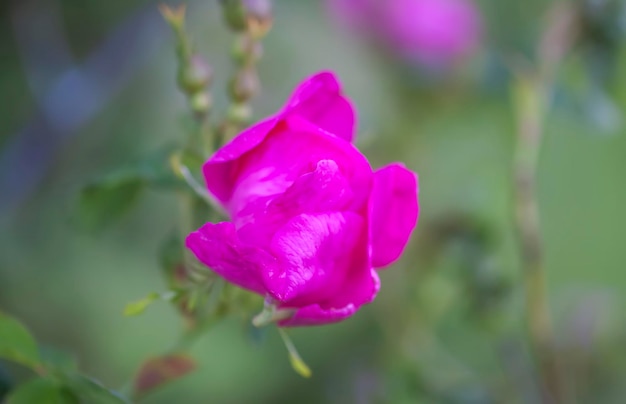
432, 32
310, 220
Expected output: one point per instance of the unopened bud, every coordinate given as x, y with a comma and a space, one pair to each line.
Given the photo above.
259, 17
247, 51
195, 76
201, 103
258, 27
235, 14
239, 113
255, 16
260, 9
244, 85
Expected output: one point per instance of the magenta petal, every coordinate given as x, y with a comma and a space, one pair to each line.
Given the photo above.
325, 189
359, 289
315, 252
220, 172
218, 247
319, 100
359, 286
393, 212
314, 314
292, 148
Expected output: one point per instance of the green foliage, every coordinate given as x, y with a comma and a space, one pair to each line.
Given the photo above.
54, 358
41, 391
5, 382
16, 343
91, 390
106, 200
62, 383
103, 202
137, 307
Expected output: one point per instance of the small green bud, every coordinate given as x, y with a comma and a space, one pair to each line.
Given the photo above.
235, 14
239, 113
259, 28
247, 51
201, 103
259, 17
260, 9
244, 85
195, 76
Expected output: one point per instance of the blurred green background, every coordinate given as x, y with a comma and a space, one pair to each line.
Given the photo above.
420, 341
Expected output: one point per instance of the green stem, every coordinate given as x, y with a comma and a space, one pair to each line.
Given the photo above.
530, 101
200, 190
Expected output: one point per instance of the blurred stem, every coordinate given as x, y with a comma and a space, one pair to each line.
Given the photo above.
515, 363
193, 77
530, 98
183, 171
532, 93
251, 21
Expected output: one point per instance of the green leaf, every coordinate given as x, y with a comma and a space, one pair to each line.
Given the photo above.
92, 391
16, 343
57, 359
110, 197
104, 202
139, 306
158, 371
5, 382
41, 391
156, 170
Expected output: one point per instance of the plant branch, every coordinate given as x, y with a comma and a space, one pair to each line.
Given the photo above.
532, 93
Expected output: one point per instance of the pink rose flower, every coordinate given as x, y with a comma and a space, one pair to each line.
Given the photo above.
310, 220
433, 32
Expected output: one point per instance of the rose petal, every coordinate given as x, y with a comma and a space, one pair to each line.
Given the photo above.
358, 286
315, 252
220, 172
218, 247
359, 289
314, 314
292, 148
393, 212
319, 100
324, 189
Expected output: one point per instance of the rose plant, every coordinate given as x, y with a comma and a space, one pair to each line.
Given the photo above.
310, 220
